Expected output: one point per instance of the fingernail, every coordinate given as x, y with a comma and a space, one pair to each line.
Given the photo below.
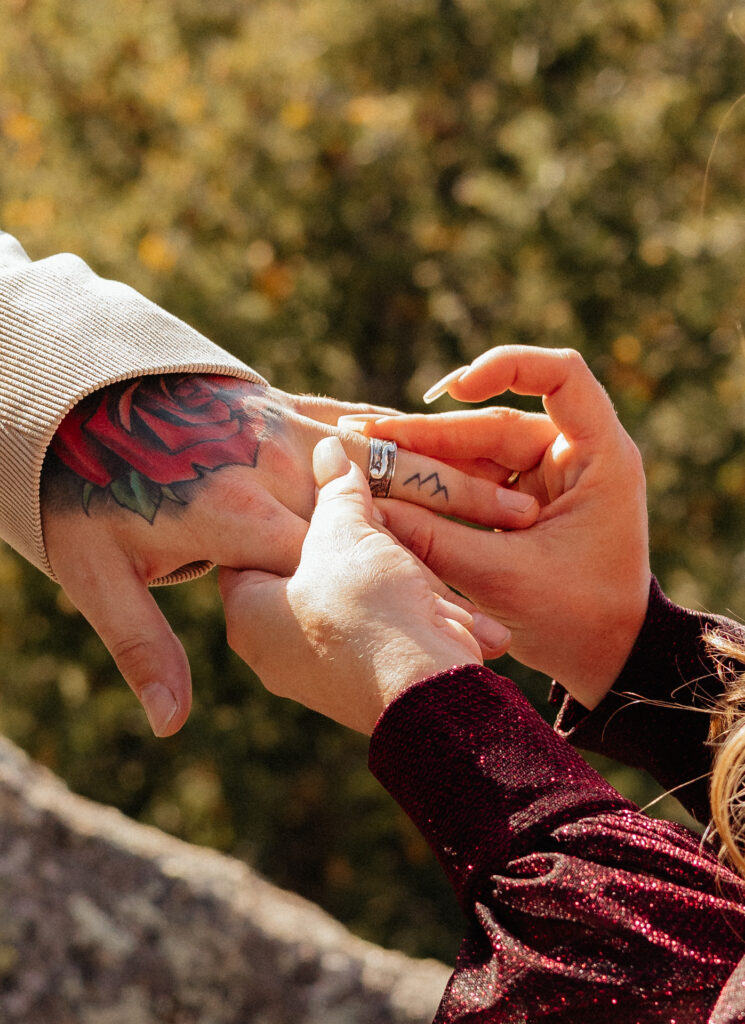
358, 421
160, 706
378, 515
329, 460
440, 388
488, 632
515, 501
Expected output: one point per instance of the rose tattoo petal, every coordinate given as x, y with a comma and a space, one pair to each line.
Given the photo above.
138, 440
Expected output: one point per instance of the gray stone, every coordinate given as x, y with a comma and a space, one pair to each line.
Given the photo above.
104, 921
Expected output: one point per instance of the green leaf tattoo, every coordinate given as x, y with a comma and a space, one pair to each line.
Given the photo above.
88, 492
137, 493
167, 492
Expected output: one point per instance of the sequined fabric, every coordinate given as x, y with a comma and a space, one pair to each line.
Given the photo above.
671, 667
580, 908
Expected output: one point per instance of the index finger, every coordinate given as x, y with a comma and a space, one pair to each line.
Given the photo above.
506, 436
576, 402
328, 410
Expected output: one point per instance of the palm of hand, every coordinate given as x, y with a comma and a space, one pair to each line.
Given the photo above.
357, 622
572, 588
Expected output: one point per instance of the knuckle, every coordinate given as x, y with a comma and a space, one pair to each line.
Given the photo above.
633, 457
503, 415
133, 655
573, 358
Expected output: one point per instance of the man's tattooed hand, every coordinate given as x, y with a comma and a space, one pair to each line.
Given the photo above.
139, 440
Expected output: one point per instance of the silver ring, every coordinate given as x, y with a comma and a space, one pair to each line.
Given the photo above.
382, 467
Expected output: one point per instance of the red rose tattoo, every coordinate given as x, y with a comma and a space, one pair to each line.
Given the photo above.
139, 439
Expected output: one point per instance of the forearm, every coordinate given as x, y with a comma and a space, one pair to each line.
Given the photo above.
65, 332
576, 902
482, 771
657, 715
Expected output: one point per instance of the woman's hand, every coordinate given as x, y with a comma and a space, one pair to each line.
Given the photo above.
359, 620
573, 588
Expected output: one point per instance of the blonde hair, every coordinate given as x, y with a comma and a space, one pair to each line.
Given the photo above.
727, 736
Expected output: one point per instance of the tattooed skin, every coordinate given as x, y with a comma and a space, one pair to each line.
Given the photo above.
146, 450
141, 443
433, 480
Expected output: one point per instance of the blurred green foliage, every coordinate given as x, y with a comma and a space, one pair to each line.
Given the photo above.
356, 197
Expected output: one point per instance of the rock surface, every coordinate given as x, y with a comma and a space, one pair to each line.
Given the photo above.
104, 921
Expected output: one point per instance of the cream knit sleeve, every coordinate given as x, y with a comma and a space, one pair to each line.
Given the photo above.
65, 332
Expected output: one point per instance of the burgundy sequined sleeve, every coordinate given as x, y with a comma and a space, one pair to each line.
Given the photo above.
656, 716
580, 908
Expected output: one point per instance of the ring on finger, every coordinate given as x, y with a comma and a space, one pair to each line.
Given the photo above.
382, 467
512, 479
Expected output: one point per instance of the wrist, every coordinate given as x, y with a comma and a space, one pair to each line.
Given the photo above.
404, 663
606, 652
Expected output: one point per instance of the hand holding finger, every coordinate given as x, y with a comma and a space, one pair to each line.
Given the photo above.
357, 622
329, 464
444, 488
572, 589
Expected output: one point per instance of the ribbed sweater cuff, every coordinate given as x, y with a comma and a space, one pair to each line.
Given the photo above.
65, 332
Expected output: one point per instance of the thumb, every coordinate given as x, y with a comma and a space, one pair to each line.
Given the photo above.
143, 645
342, 485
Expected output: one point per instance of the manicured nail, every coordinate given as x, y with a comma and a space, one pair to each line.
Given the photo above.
440, 388
160, 706
515, 501
489, 633
358, 421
